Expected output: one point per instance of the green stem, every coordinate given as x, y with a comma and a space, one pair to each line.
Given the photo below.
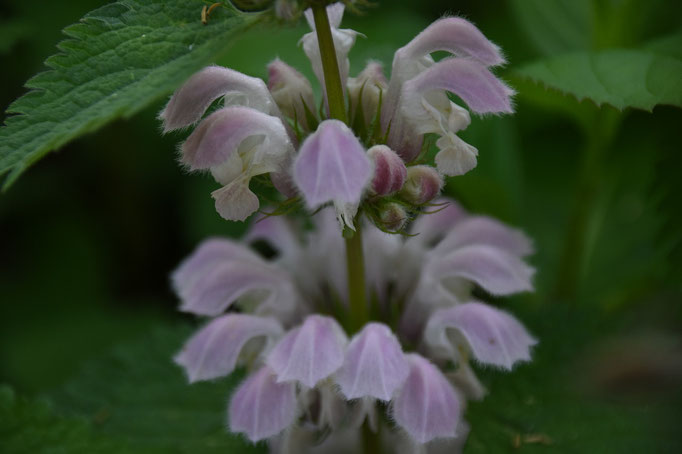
355, 264
572, 263
330, 65
358, 308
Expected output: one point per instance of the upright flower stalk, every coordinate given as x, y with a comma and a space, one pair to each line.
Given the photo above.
361, 332
355, 263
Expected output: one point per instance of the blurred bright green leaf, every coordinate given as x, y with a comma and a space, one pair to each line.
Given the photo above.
118, 60
640, 78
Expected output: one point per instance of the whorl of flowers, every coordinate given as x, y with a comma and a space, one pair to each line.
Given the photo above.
316, 378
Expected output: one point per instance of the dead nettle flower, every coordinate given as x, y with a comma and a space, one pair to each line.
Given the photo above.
277, 129
309, 377
329, 349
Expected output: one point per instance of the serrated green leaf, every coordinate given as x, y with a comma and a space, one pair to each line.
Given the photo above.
118, 60
139, 395
32, 427
640, 78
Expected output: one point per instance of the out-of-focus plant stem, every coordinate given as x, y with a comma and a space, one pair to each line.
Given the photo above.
575, 251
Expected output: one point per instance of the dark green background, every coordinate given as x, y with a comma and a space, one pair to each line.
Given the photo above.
90, 234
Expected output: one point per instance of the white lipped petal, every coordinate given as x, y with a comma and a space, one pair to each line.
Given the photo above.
427, 406
455, 156
235, 201
334, 14
332, 166
214, 350
261, 407
310, 352
190, 101
493, 336
374, 366
344, 39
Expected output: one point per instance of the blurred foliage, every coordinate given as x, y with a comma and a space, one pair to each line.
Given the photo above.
91, 233
118, 59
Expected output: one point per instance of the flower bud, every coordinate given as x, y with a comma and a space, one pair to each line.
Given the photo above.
422, 185
392, 216
389, 170
365, 90
287, 10
290, 89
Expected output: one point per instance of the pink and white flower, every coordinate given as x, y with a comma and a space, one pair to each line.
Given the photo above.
259, 129
302, 351
285, 320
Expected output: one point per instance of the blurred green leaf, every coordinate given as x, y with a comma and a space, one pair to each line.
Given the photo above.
138, 395
119, 59
640, 78
32, 427
555, 27
556, 403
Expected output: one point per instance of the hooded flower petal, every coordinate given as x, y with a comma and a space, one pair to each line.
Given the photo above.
224, 132
332, 166
468, 79
213, 351
217, 287
375, 365
497, 271
261, 407
189, 102
310, 352
451, 34
427, 405
488, 231
493, 336
210, 253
